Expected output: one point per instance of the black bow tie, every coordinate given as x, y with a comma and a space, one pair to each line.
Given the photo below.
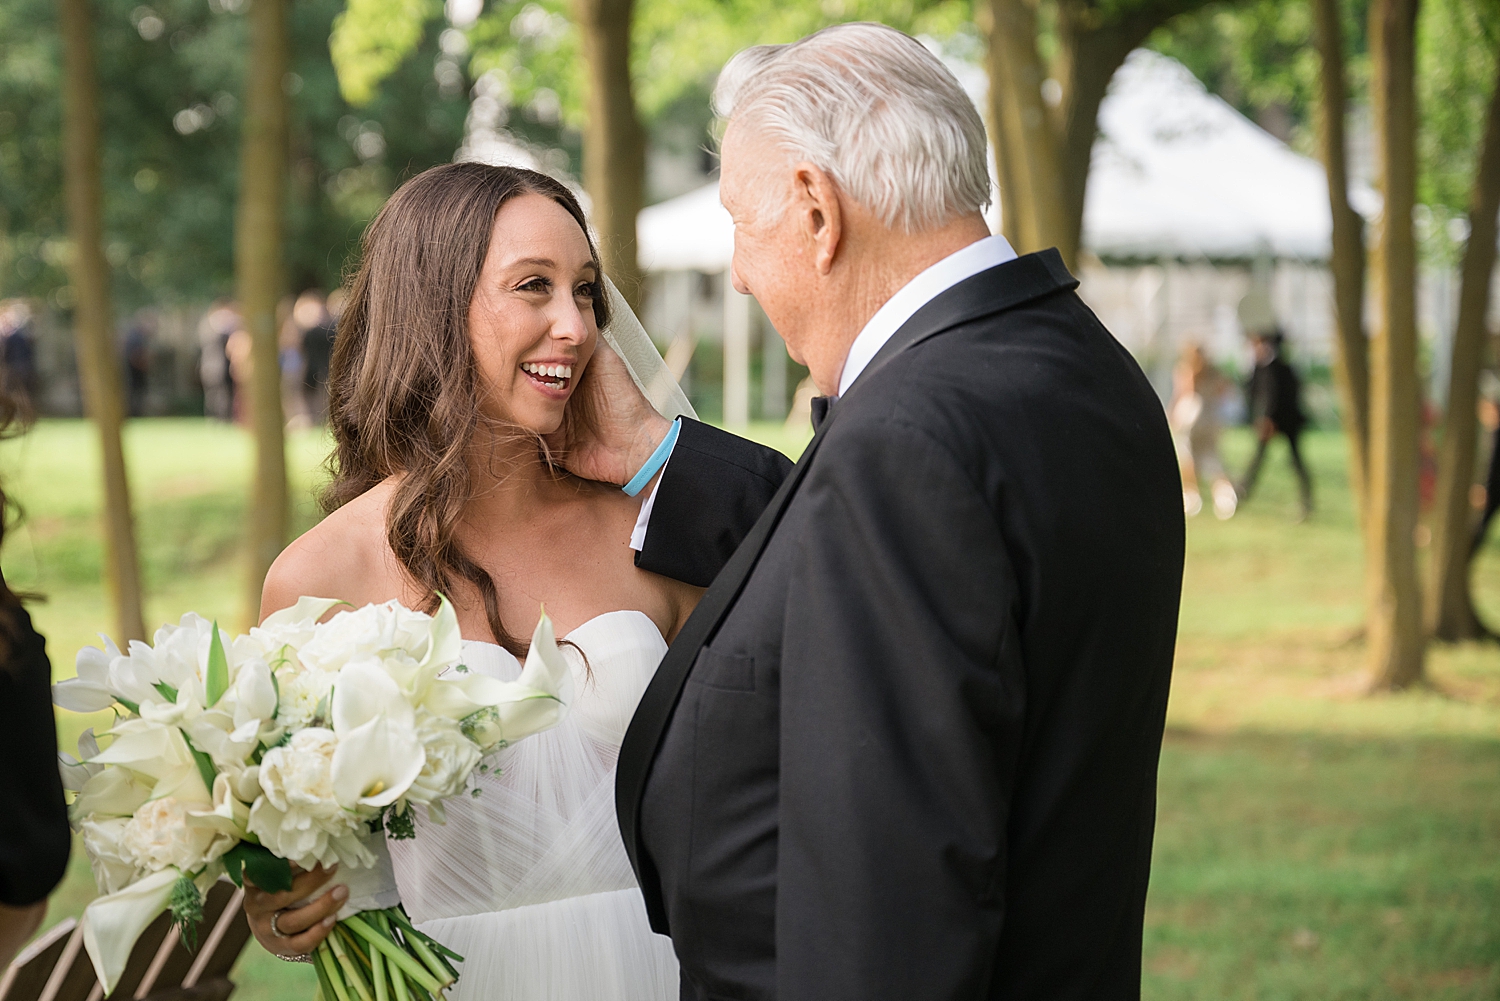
822, 406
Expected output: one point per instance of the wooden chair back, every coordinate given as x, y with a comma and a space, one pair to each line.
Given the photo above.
55, 967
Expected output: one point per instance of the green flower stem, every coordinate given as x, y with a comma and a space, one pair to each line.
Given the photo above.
353, 977
330, 967
413, 969
418, 944
325, 989
377, 974
398, 984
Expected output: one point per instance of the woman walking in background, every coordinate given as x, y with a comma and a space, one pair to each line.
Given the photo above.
1197, 393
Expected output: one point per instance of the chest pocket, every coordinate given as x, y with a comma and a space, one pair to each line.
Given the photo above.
726, 672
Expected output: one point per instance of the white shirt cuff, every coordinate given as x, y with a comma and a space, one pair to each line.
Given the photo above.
643, 520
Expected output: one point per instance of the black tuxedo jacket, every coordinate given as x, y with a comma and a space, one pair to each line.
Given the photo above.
906, 747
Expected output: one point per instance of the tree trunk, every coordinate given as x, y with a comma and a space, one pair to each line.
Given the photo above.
1395, 625
97, 362
1091, 47
258, 274
1024, 138
1450, 608
1087, 56
1347, 261
614, 142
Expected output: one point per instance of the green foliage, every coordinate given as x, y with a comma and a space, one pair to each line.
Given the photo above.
1260, 57
1457, 45
256, 863
171, 85
216, 683
371, 38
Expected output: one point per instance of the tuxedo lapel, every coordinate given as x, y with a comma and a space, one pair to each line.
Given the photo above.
1002, 287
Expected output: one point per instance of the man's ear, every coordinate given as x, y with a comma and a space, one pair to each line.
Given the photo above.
817, 202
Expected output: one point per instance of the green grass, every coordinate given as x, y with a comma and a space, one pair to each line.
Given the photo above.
1314, 842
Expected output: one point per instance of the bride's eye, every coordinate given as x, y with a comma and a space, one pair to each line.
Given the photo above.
535, 285
587, 290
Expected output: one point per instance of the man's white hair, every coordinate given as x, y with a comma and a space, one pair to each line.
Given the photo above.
875, 110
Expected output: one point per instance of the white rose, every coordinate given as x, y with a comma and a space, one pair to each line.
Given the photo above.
297, 816
451, 759
114, 867
162, 833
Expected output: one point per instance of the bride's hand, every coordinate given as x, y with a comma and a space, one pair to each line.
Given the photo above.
300, 929
627, 428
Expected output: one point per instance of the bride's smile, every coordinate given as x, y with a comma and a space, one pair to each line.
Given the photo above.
531, 321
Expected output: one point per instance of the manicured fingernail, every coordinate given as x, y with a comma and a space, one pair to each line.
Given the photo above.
341, 893
330, 921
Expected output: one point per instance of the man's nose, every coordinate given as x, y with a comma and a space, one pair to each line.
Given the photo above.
738, 282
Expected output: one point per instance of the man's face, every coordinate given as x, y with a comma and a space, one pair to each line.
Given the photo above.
773, 260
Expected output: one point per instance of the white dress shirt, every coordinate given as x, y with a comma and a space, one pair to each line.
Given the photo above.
927, 286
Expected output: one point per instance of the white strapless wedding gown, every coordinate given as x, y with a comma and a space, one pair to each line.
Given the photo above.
529, 882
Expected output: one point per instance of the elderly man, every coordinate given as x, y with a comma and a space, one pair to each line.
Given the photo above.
907, 745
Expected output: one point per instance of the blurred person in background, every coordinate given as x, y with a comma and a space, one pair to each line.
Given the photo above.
214, 331
1198, 390
316, 323
1486, 497
18, 353
237, 354
34, 839
292, 364
138, 360
1274, 399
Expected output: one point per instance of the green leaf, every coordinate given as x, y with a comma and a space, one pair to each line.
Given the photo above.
272, 874
217, 681
204, 762
167, 691
134, 707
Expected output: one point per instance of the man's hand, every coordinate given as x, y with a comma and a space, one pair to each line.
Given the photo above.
627, 428
297, 930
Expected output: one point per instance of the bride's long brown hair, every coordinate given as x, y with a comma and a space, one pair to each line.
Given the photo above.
403, 389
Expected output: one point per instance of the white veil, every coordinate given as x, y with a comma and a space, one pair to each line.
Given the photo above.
631, 342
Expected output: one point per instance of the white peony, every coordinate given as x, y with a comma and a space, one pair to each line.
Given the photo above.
297, 815
114, 866
164, 833
302, 692
451, 758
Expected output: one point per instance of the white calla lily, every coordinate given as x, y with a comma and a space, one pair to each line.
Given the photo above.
364, 691
157, 751
254, 693
112, 923
375, 764
89, 692
513, 710
77, 771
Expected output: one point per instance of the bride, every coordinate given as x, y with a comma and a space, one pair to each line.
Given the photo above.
464, 351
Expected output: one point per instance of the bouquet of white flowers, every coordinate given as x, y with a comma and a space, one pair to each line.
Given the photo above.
301, 742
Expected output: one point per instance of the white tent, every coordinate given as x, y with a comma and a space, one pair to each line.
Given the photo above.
1177, 173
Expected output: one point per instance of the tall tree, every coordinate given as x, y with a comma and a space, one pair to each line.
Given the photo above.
1043, 129
1395, 637
97, 361
259, 227
614, 143
1347, 260
1450, 609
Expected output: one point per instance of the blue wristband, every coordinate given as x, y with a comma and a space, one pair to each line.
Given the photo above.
653, 465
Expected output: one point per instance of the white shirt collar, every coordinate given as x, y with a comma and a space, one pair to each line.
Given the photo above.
927, 286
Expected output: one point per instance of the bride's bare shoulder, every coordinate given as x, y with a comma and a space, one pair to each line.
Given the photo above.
344, 556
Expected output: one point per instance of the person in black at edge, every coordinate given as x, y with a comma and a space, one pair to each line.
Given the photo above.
34, 836
1274, 394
